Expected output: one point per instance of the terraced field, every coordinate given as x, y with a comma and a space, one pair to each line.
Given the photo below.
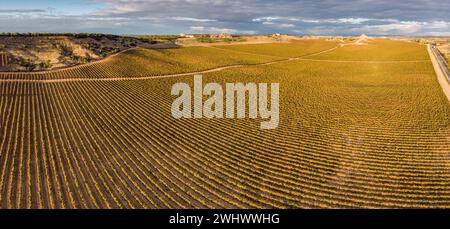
374, 133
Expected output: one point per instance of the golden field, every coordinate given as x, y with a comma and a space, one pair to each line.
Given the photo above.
360, 127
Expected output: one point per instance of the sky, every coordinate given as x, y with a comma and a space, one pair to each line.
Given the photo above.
301, 17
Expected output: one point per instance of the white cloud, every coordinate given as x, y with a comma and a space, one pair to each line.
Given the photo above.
447, 34
324, 17
286, 25
261, 19
192, 19
276, 21
310, 21
350, 21
406, 27
353, 20
105, 18
438, 25
354, 24
197, 28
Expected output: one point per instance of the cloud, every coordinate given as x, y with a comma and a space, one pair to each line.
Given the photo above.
410, 27
274, 22
395, 28
322, 17
198, 28
192, 19
355, 21
286, 25
438, 25
23, 10
266, 19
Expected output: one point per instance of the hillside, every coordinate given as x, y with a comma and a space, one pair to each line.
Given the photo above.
41, 52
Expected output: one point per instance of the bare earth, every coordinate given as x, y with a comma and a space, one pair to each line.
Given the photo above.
43, 53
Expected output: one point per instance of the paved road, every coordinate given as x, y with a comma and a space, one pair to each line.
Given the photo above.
441, 68
442, 62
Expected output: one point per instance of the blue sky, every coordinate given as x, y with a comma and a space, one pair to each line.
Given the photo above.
318, 17
75, 7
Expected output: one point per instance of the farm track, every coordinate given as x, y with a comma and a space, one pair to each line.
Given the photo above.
113, 144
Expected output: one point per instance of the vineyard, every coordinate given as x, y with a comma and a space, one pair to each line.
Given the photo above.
148, 62
360, 127
3, 59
